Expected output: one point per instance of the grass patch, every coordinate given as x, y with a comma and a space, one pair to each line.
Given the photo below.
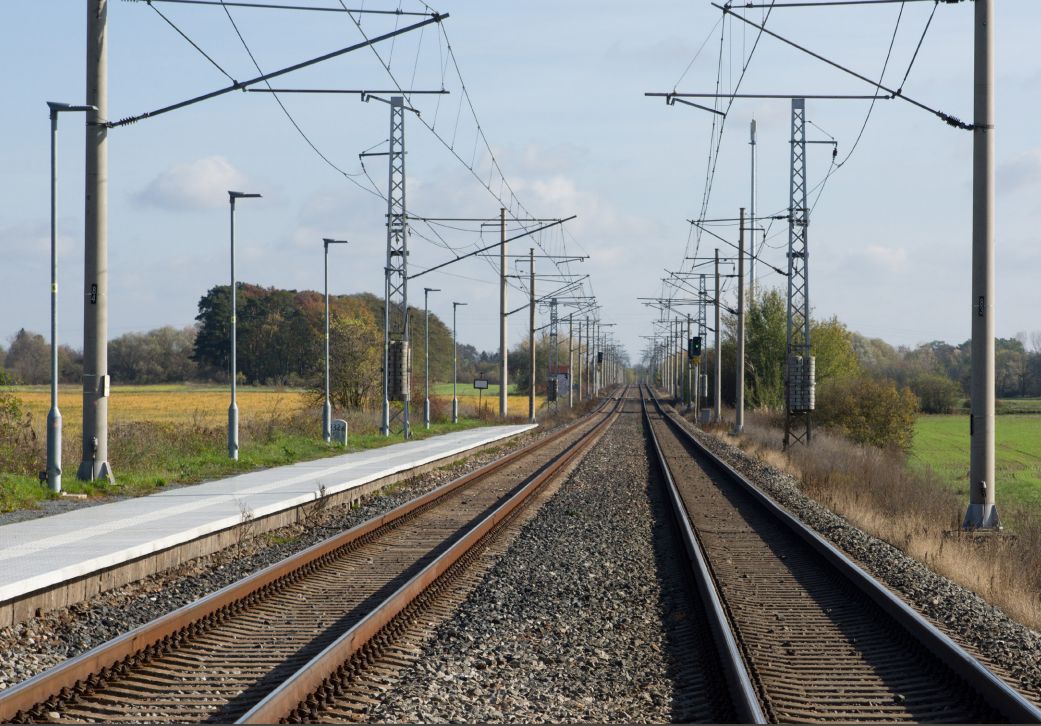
160, 435
941, 445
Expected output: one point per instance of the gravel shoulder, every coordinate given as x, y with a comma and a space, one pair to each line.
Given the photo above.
1009, 648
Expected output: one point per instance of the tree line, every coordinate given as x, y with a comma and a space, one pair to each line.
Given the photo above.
866, 388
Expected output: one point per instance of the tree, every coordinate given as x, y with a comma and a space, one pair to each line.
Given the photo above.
936, 393
356, 362
29, 358
765, 345
163, 355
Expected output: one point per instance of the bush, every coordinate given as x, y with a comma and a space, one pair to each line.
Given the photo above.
18, 450
936, 393
869, 411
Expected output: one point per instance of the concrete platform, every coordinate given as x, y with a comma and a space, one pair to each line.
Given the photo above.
54, 561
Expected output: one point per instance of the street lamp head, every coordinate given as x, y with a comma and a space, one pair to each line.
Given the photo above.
57, 108
241, 195
431, 289
459, 304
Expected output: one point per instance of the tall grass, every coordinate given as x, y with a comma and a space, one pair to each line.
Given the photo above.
876, 490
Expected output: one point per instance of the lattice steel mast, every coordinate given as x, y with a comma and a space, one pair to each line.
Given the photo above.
799, 365
397, 355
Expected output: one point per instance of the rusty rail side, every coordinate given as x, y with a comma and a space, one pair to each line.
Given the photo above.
295, 689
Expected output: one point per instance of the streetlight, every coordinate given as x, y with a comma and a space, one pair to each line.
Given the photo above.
426, 353
54, 415
455, 366
233, 409
327, 410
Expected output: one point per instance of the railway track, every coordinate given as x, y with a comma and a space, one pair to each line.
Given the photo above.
277, 643
819, 639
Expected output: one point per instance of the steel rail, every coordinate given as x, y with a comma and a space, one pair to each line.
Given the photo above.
79, 673
294, 691
743, 694
996, 693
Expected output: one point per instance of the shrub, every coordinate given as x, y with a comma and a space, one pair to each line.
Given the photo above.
936, 393
869, 411
18, 450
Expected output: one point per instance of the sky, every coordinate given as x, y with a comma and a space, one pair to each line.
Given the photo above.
558, 90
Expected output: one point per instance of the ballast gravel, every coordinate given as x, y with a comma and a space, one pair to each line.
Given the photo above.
571, 624
1011, 648
43, 641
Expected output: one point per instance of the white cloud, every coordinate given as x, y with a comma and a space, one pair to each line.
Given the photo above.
891, 259
200, 184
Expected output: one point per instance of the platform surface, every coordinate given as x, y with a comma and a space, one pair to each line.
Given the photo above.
42, 552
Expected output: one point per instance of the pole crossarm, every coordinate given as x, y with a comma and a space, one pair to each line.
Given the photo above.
274, 6
893, 93
492, 246
703, 228
242, 85
672, 97
547, 296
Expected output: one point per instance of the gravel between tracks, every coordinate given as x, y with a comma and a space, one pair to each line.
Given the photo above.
571, 623
1013, 649
44, 641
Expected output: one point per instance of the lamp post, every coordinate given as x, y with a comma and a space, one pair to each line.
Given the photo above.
54, 415
233, 409
455, 365
327, 409
426, 354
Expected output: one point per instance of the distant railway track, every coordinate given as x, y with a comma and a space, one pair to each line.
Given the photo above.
819, 639
276, 644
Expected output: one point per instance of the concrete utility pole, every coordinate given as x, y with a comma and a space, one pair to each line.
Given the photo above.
94, 464
718, 382
580, 359
589, 359
531, 338
570, 360
690, 365
503, 351
426, 355
751, 222
455, 364
739, 394
982, 512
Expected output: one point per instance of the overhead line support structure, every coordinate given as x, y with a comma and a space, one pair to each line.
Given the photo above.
982, 512
798, 363
94, 462
397, 356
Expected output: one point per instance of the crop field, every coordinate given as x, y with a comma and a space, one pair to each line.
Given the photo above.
187, 404
942, 444
518, 402
175, 434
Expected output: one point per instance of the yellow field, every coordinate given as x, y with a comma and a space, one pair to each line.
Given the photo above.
207, 405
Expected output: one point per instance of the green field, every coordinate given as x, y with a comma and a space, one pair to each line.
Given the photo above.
942, 444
